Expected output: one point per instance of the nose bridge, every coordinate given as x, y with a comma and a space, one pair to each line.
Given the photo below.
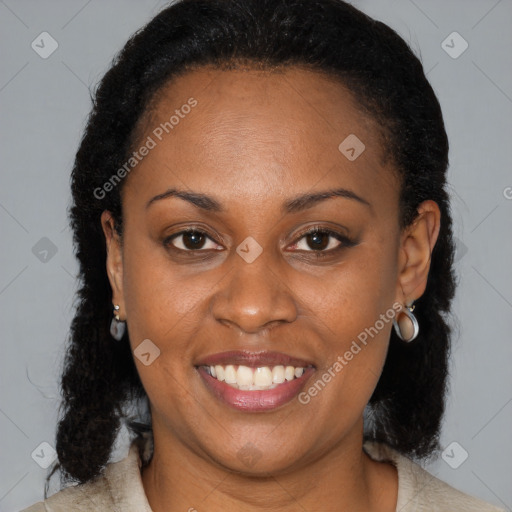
255, 294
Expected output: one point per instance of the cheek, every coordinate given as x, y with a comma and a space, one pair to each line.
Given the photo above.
352, 297
161, 308
158, 296
355, 314
166, 304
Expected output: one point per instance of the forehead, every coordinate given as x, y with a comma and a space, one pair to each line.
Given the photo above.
256, 134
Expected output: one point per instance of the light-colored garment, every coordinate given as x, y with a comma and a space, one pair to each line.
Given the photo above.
120, 489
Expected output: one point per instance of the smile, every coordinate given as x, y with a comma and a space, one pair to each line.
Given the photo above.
254, 389
254, 379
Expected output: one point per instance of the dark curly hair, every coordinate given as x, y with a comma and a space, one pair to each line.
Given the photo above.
389, 84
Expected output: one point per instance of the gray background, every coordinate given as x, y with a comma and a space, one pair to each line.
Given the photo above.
44, 103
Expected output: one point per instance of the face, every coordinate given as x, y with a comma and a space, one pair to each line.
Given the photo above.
254, 158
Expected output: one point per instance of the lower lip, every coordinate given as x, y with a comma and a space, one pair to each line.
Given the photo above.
259, 400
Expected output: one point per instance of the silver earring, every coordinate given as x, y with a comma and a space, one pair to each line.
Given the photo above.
408, 310
117, 327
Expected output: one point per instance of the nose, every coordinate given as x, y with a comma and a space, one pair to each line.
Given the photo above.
254, 297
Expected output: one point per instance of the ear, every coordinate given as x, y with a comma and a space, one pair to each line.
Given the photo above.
114, 261
416, 245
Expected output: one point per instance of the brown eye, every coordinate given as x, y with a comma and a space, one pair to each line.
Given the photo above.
323, 240
191, 240
318, 240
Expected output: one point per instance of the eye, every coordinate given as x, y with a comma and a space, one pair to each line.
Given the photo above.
190, 240
322, 241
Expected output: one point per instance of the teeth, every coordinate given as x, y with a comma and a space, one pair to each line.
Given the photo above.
244, 376
278, 374
252, 379
219, 370
230, 374
263, 376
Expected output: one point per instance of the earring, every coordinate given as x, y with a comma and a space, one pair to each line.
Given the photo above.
408, 309
117, 326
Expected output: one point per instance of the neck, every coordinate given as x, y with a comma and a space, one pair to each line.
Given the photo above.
343, 478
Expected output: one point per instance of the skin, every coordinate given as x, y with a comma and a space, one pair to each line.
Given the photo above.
255, 140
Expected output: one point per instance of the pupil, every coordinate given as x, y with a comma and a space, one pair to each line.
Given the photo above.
317, 244
196, 238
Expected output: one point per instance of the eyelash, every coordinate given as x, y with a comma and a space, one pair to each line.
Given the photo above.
345, 242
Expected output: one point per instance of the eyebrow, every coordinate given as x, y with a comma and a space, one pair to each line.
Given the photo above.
296, 204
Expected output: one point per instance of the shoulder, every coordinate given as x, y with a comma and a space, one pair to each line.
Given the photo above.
420, 491
118, 489
90, 496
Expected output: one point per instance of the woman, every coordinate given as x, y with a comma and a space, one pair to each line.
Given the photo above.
265, 243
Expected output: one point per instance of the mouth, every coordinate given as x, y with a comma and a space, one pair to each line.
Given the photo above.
254, 382
261, 378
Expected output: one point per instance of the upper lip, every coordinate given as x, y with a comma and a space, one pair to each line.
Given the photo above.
254, 359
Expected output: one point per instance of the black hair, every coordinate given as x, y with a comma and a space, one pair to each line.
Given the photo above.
387, 80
